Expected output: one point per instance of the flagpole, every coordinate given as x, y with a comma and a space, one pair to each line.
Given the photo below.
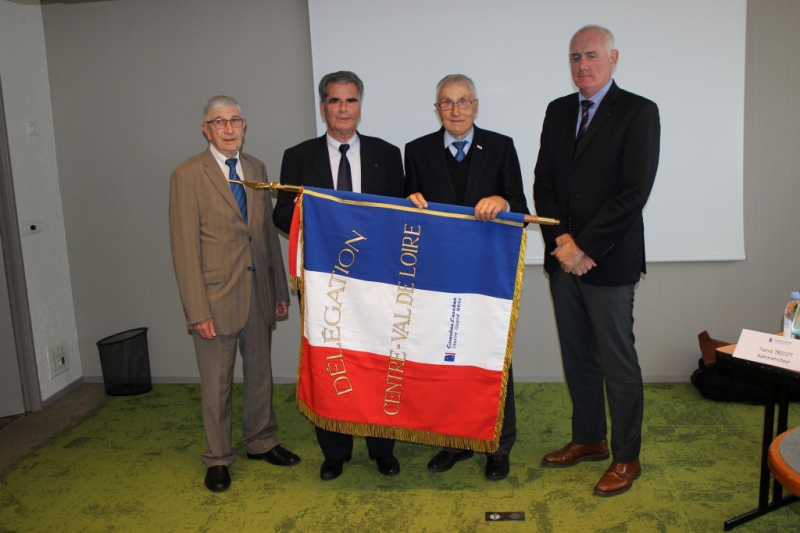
273, 186
542, 221
270, 185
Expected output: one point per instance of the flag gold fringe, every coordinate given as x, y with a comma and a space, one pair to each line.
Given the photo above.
512, 328
390, 432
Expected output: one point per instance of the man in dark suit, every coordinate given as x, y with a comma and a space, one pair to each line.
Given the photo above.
359, 164
462, 164
232, 284
596, 168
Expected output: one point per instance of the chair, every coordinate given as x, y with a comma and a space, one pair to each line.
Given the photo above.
784, 459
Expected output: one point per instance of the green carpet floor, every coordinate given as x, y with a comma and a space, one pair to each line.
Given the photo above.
133, 465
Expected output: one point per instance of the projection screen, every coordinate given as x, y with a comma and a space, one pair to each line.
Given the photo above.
686, 55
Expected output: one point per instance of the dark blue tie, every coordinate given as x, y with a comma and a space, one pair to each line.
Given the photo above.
460, 154
236, 188
344, 180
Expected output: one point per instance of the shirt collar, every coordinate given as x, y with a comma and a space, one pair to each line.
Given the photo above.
448, 138
219, 157
334, 145
598, 96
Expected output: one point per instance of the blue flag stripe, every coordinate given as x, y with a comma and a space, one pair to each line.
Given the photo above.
387, 240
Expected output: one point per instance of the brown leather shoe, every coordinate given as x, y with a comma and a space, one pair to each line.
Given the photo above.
573, 453
618, 478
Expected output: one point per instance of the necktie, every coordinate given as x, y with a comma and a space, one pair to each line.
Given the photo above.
460, 155
237, 189
344, 181
585, 105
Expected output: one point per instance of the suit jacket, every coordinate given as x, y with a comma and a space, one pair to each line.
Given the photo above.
214, 249
494, 170
308, 164
599, 187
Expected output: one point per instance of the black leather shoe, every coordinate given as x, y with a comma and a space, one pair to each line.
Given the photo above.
277, 456
388, 466
217, 478
444, 460
332, 468
497, 467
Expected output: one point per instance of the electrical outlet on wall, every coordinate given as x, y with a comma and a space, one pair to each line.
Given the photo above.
59, 361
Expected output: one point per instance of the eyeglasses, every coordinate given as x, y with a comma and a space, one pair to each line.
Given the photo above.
447, 105
221, 123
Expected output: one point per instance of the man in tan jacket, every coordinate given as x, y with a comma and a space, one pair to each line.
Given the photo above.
232, 283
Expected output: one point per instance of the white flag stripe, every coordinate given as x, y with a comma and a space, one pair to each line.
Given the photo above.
462, 327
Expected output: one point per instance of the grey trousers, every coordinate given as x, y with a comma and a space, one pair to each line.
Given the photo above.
216, 359
595, 329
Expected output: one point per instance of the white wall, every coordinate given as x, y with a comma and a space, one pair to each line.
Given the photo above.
129, 83
128, 80
26, 92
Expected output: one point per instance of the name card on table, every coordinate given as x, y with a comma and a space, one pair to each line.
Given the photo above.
768, 349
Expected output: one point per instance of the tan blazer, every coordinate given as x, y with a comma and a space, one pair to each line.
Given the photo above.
213, 249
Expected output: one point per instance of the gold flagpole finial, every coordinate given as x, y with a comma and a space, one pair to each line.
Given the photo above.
272, 186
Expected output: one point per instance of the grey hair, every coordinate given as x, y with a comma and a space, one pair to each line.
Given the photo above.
609, 37
456, 78
220, 101
343, 76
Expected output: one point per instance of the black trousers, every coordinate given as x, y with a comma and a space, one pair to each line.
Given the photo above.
340, 445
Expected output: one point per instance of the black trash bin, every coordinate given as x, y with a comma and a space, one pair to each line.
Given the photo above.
126, 363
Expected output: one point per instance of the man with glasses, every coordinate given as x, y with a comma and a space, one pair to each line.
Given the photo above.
232, 284
462, 164
342, 159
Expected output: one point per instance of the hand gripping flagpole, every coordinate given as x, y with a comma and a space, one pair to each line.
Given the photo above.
272, 186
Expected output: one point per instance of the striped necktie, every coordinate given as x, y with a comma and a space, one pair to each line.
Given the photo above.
236, 188
585, 105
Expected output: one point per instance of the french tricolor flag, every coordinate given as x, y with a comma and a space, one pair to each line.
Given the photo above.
408, 317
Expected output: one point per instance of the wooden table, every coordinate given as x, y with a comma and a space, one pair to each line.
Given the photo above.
777, 382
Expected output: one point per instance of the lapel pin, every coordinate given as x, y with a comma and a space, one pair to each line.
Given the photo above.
479, 147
